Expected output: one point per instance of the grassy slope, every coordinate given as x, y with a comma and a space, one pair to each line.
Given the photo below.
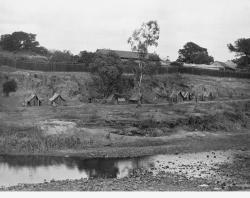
98, 125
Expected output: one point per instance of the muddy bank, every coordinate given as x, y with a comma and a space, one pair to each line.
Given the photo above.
194, 142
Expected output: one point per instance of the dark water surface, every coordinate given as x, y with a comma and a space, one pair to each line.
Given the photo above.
36, 169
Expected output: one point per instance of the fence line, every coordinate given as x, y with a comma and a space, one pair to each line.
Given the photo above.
81, 67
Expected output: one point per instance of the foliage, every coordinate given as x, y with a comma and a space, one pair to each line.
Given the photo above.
86, 57
193, 53
61, 56
242, 49
154, 57
9, 86
176, 63
109, 69
143, 38
147, 35
21, 41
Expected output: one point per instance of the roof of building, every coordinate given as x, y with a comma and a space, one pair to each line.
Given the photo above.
122, 54
111, 97
29, 98
228, 64
56, 95
184, 94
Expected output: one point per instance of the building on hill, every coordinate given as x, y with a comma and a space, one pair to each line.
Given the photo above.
32, 100
124, 55
225, 66
57, 99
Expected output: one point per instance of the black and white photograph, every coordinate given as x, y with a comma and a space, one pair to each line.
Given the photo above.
124, 96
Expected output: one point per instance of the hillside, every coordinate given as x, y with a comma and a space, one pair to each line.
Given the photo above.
77, 87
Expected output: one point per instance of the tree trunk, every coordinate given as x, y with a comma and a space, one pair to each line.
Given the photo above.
139, 84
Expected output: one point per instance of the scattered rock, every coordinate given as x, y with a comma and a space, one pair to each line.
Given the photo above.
204, 185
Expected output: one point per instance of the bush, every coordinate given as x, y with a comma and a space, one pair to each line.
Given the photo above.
9, 86
177, 64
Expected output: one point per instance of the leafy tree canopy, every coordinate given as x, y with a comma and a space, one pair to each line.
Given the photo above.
193, 53
109, 68
61, 56
242, 49
21, 41
9, 86
147, 35
86, 57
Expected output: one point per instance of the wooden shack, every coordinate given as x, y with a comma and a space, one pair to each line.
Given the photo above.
32, 100
57, 99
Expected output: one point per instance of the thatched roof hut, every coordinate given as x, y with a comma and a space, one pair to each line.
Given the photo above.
32, 100
57, 99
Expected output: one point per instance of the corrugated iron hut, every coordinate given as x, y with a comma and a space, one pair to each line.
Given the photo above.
32, 100
57, 99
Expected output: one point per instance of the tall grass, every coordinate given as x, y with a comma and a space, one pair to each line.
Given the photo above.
32, 140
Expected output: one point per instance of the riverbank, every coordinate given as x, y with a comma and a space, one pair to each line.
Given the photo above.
120, 130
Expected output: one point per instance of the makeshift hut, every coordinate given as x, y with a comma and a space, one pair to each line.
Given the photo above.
206, 95
112, 99
121, 100
116, 99
32, 100
57, 99
185, 95
175, 96
135, 98
211, 96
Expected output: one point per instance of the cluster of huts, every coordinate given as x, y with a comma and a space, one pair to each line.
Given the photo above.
180, 96
174, 97
34, 100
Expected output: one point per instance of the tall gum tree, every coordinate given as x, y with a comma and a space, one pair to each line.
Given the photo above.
143, 38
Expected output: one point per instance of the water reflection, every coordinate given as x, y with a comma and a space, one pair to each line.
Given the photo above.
35, 169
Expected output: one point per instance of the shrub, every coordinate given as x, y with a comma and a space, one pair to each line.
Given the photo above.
9, 86
175, 63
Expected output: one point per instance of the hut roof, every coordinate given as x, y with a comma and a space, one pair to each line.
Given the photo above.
111, 97
173, 94
185, 94
29, 98
55, 96
122, 54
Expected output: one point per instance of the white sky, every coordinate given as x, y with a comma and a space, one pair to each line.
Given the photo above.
79, 25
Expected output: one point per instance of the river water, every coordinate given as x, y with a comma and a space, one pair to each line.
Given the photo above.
37, 169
